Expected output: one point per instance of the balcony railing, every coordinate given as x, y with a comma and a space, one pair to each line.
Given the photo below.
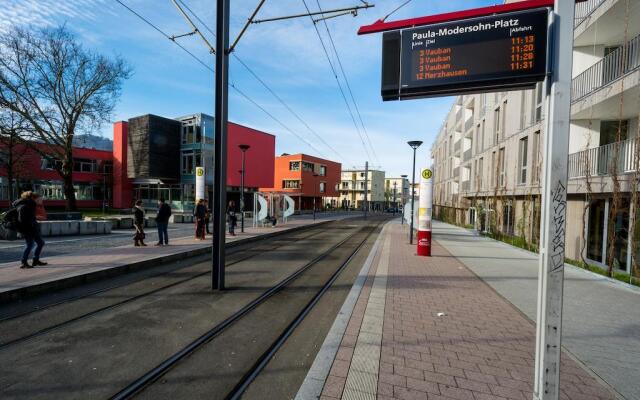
615, 65
601, 160
584, 9
457, 146
466, 155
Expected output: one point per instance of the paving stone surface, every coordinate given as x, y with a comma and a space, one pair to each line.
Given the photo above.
448, 335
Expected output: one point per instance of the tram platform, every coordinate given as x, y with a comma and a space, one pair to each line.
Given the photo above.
70, 270
430, 328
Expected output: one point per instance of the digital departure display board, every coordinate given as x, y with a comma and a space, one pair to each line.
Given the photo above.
498, 52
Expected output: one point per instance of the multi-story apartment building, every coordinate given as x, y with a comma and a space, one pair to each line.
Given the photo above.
310, 181
488, 154
396, 191
352, 185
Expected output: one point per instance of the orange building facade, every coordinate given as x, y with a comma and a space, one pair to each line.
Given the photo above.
306, 178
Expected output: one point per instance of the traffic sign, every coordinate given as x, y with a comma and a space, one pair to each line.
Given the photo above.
427, 173
497, 52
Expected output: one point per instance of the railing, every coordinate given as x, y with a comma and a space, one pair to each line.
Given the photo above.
615, 65
601, 160
466, 155
466, 186
584, 9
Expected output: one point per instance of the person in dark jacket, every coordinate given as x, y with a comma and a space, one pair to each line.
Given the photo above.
29, 228
199, 213
162, 222
138, 224
207, 216
232, 218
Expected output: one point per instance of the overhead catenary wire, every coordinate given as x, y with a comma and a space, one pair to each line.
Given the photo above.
335, 75
346, 80
267, 87
396, 9
244, 95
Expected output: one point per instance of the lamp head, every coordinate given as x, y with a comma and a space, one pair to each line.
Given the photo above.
414, 144
244, 147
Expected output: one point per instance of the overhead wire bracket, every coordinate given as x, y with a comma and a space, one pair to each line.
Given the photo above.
212, 50
311, 14
174, 37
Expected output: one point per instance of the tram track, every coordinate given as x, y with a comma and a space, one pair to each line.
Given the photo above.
138, 386
142, 295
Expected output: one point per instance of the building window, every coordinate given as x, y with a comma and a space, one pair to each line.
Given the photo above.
50, 164
537, 103
503, 125
198, 134
535, 163
4, 190
294, 166
84, 165
496, 126
187, 134
307, 166
345, 185
507, 218
503, 176
323, 170
362, 185
290, 184
523, 149
188, 162
480, 172
323, 187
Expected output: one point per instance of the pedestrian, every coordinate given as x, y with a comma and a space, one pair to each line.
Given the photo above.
138, 224
28, 226
162, 222
207, 216
232, 218
199, 213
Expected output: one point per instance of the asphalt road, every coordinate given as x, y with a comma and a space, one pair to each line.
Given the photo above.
601, 319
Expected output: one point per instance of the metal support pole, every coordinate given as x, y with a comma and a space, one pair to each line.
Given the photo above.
220, 144
395, 203
413, 197
554, 204
366, 188
403, 199
242, 197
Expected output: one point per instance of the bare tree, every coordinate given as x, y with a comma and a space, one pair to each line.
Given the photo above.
13, 150
60, 89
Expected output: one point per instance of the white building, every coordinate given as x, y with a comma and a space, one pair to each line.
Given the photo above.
396, 191
352, 184
489, 151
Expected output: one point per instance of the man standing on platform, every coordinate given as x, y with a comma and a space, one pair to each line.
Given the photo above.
162, 222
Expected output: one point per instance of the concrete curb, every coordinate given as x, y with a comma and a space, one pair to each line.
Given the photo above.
313, 383
73, 281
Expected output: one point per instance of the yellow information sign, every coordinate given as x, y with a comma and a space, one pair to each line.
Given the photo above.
427, 173
200, 171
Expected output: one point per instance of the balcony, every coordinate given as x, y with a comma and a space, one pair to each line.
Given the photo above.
612, 67
456, 172
600, 161
458, 115
466, 155
457, 146
584, 9
468, 124
466, 186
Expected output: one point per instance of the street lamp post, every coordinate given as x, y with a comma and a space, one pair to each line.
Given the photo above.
243, 149
414, 145
402, 197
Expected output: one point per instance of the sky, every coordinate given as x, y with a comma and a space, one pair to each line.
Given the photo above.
287, 55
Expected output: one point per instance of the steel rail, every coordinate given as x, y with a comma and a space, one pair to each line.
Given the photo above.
123, 302
161, 369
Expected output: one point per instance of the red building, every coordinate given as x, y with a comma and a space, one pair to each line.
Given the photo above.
157, 160
92, 171
306, 179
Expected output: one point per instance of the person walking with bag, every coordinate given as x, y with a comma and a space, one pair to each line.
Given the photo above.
28, 226
138, 224
199, 214
232, 218
162, 222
